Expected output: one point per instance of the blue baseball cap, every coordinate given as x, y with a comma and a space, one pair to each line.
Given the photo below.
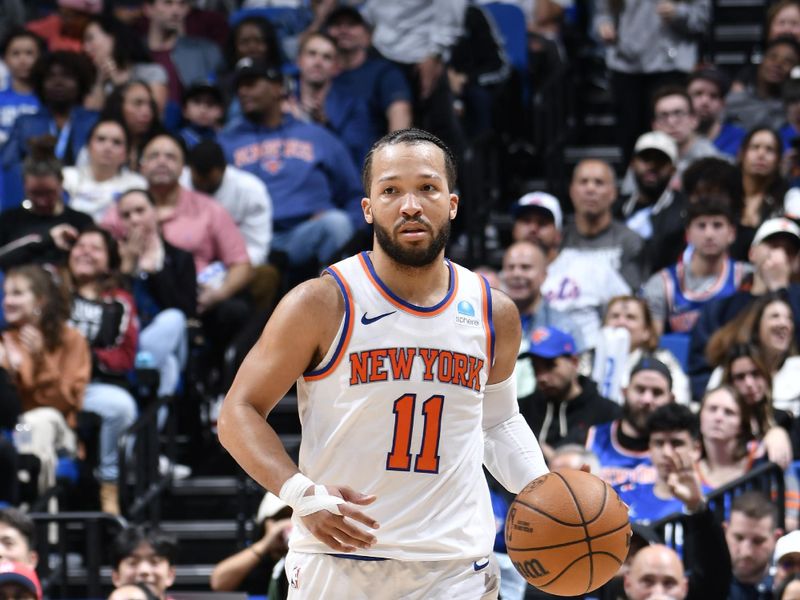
549, 342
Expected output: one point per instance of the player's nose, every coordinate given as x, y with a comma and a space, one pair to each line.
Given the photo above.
411, 204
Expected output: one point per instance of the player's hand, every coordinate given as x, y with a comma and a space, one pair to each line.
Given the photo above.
338, 531
684, 482
778, 446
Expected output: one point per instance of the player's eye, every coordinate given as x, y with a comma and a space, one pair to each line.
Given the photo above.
428, 187
389, 190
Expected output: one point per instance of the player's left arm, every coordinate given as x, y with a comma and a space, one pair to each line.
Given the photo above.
511, 452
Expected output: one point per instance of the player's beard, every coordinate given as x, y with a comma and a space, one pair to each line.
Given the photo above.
412, 257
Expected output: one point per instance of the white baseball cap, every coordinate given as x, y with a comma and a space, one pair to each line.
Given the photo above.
772, 227
657, 140
270, 506
540, 200
788, 544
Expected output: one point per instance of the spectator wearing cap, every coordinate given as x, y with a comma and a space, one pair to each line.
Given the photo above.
248, 569
524, 270
677, 293
773, 254
786, 558
538, 219
19, 581
565, 404
654, 210
63, 29
185, 58
203, 112
366, 75
594, 231
621, 444
673, 113
319, 98
707, 88
315, 188
751, 533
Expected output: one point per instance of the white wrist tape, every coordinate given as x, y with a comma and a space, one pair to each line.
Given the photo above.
293, 493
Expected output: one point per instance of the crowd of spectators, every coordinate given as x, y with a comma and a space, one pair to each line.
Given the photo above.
168, 168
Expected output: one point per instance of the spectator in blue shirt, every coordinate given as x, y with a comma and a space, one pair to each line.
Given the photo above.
313, 182
20, 50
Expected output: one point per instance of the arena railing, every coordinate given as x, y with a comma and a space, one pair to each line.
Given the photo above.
767, 478
141, 481
71, 548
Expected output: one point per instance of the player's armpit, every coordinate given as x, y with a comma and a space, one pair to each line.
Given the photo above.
508, 332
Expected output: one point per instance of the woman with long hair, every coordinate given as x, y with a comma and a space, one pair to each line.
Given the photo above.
104, 312
728, 449
133, 105
760, 165
119, 56
47, 360
94, 186
768, 325
744, 371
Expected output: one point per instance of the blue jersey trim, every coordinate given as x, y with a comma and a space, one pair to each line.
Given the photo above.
399, 300
345, 329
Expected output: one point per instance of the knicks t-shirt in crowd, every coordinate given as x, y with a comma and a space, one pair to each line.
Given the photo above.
306, 168
12, 105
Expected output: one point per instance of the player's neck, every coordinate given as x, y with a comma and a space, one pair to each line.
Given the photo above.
422, 286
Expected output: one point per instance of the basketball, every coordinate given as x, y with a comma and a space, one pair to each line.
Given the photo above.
567, 532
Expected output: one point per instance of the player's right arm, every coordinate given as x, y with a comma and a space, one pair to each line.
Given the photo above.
296, 338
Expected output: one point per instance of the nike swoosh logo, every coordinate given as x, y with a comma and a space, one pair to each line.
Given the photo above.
365, 320
478, 567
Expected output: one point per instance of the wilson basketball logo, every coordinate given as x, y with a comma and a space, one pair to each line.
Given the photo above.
531, 568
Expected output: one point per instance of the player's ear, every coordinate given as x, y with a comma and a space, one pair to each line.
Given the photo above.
367, 208
453, 206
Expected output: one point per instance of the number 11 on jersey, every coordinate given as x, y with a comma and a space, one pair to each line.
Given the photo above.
427, 461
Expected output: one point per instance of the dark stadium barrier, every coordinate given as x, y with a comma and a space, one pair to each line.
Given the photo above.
141, 484
766, 478
71, 548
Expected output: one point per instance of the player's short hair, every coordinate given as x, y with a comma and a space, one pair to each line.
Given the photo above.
756, 505
129, 539
673, 417
409, 136
16, 519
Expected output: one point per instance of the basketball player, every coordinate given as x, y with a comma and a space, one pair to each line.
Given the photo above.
404, 365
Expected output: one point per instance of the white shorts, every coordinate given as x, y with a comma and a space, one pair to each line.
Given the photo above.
318, 576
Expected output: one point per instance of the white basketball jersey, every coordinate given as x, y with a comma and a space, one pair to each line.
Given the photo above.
394, 409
